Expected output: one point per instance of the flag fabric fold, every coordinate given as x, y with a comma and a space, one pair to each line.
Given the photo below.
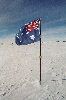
29, 33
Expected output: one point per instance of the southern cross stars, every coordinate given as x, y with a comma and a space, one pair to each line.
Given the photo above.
28, 33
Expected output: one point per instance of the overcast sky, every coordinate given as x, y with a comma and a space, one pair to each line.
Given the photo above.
15, 13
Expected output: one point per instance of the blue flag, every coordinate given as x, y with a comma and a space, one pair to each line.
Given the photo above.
29, 33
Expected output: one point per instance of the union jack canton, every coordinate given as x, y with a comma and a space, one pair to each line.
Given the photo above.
29, 33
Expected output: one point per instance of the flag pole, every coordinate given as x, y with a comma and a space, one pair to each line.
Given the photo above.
40, 53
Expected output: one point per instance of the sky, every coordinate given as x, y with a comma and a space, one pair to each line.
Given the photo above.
16, 13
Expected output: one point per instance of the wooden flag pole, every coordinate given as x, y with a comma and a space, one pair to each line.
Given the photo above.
40, 53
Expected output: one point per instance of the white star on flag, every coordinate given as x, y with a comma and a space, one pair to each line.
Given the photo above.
32, 37
17, 36
21, 33
20, 29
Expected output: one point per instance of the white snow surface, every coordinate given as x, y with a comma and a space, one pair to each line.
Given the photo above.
20, 71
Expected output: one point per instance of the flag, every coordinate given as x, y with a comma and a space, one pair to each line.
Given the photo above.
29, 33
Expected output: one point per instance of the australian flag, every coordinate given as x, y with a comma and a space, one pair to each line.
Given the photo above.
29, 33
